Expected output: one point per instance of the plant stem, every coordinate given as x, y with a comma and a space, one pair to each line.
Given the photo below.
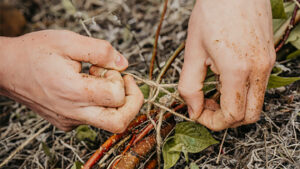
132, 158
170, 61
288, 30
150, 126
154, 52
151, 164
112, 140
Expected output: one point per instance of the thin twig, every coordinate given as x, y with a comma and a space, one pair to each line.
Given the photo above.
173, 112
154, 52
125, 150
6, 103
112, 150
158, 137
279, 34
148, 128
288, 30
297, 2
170, 61
266, 148
23, 145
110, 141
73, 150
85, 28
221, 146
159, 86
271, 121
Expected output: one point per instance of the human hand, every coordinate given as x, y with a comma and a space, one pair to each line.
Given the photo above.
42, 70
234, 38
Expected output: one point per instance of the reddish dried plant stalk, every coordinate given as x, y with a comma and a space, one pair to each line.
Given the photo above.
154, 52
139, 151
151, 164
112, 140
148, 128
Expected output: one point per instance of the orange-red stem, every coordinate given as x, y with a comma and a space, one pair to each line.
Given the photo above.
151, 164
150, 126
112, 140
125, 150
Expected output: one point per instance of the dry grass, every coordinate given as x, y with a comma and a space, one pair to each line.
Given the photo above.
273, 142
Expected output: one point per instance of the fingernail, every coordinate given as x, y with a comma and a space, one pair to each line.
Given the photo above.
120, 60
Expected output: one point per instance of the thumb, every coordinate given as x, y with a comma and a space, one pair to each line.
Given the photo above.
95, 51
192, 77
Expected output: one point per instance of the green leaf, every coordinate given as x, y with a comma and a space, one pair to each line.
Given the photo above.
161, 94
288, 7
277, 23
277, 81
278, 9
276, 70
293, 55
170, 157
294, 37
85, 133
177, 148
193, 136
77, 165
209, 87
193, 166
145, 90
48, 152
186, 154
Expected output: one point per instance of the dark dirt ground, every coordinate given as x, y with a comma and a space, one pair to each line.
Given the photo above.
272, 142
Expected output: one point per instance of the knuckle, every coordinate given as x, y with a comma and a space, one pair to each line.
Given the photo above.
119, 126
117, 93
115, 77
232, 117
266, 63
252, 119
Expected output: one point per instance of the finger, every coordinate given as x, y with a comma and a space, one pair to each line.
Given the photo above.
193, 74
105, 91
116, 120
255, 98
59, 121
111, 75
234, 88
95, 51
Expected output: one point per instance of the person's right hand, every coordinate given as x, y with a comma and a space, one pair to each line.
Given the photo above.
42, 70
234, 38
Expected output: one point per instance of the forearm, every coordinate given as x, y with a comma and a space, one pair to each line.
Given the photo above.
6, 50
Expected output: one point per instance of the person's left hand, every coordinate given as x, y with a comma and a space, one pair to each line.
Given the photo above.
235, 39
